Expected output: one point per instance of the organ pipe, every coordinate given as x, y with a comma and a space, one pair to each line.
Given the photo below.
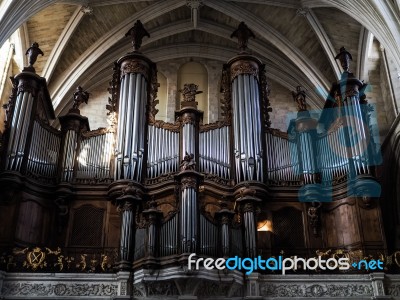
247, 119
72, 126
135, 70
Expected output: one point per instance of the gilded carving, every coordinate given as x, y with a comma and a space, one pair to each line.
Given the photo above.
36, 258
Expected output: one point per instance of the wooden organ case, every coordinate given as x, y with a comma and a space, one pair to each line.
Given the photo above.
153, 192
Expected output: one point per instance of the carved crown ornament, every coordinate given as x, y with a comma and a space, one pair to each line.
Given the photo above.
134, 66
244, 67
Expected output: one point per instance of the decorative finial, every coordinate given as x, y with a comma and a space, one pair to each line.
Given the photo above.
137, 32
189, 92
80, 96
33, 52
243, 33
344, 58
300, 98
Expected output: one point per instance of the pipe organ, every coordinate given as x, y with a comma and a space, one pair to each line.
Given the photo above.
188, 187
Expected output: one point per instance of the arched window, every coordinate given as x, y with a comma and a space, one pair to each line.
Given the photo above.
194, 72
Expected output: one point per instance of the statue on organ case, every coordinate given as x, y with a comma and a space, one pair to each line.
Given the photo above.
80, 96
300, 97
33, 52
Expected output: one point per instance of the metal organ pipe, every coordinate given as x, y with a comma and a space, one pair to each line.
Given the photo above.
131, 117
246, 120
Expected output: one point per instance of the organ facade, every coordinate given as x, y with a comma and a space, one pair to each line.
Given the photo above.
131, 202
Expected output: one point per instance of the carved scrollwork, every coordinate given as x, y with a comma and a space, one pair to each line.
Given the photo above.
134, 66
314, 217
316, 290
277, 132
154, 85
125, 206
226, 101
247, 191
140, 220
248, 207
265, 91
189, 182
27, 86
186, 119
92, 133
212, 126
165, 125
60, 289
11, 102
217, 179
244, 67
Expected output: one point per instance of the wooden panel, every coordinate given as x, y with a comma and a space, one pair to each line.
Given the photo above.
370, 222
7, 219
341, 225
114, 231
30, 222
329, 227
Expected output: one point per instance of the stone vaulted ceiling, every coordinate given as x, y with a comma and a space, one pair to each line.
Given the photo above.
296, 39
